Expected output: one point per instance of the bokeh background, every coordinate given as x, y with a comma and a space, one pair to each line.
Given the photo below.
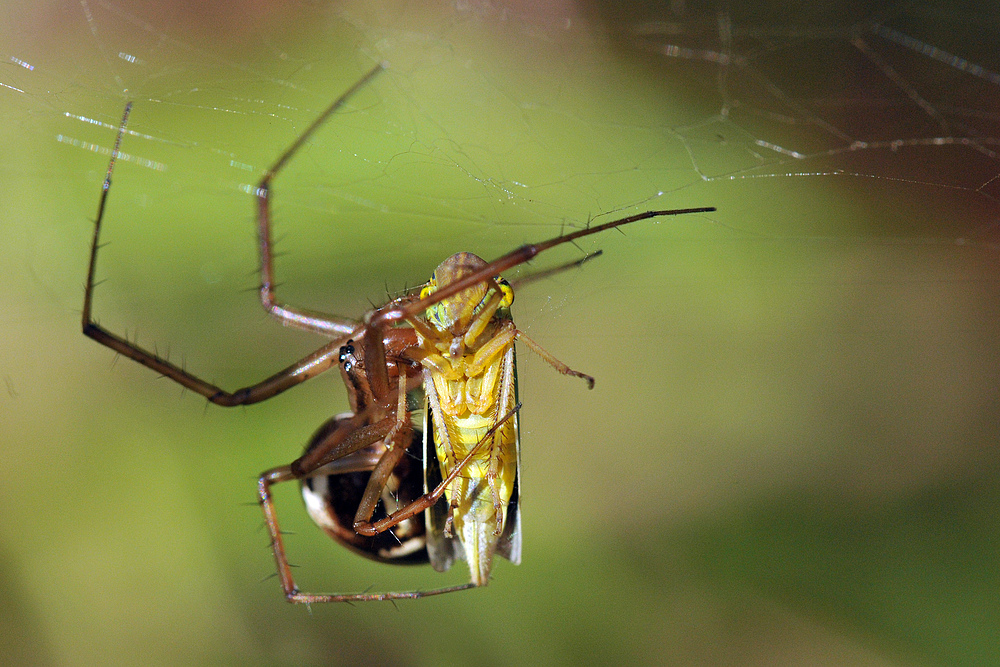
789, 457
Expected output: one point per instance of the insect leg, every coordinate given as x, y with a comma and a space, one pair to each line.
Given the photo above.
443, 440
552, 361
484, 355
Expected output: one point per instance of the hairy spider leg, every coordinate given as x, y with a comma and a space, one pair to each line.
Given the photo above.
306, 368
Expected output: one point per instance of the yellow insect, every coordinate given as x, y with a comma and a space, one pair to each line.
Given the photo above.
450, 348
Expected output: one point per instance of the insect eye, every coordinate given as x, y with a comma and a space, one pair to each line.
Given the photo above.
507, 291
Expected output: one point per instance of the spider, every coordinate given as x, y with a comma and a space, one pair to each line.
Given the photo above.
372, 480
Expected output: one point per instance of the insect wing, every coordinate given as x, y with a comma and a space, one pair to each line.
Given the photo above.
510, 542
441, 550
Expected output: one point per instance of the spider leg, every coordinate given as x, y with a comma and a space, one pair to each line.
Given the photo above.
302, 370
292, 593
535, 276
386, 317
383, 416
299, 318
428, 499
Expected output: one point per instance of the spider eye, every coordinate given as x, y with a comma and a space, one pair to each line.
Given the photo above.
346, 351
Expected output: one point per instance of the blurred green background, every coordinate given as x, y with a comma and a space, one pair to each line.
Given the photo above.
788, 459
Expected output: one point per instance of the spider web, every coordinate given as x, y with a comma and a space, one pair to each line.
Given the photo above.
862, 126
831, 325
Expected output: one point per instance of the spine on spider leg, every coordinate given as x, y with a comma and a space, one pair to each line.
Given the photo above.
101, 204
